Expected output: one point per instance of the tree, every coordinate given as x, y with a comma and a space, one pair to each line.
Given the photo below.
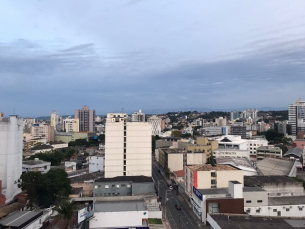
212, 160
176, 133
101, 138
66, 210
187, 135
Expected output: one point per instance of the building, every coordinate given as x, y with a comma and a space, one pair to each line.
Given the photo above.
43, 131
123, 186
226, 221
85, 181
215, 130
1, 116
86, 118
299, 143
277, 166
203, 144
268, 151
235, 153
235, 115
25, 219
127, 147
208, 176
155, 125
295, 153
240, 163
296, 115
56, 121
41, 149
11, 144
96, 163
71, 124
67, 137
239, 130
138, 117
2, 197
250, 113
35, 166
218, 200
276, 185
221, 121
120, 214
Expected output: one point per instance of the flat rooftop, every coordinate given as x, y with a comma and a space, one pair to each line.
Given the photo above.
286, 200
275, 166
120, 206
259, 181
35, 162
86, 177
20, 218
209, 167
134, 179
210, 191
250, 222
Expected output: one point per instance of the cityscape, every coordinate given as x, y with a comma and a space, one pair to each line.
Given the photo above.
134, 114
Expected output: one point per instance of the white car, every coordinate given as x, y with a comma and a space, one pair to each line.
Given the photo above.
170, 187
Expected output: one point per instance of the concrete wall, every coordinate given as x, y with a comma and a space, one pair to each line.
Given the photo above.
96, 163
142, 188
154, 214
87, 188
293, 210
254, 197
223, 177
175, 161
284, 189
196, 158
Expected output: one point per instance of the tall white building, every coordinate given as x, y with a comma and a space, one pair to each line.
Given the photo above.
71, 124
250, 113
56, 121
127, 147
296, 115
155, 125
138, 116
11, 143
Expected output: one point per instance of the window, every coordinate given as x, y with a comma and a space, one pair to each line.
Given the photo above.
106, 186
213, 174
248, 210
259, 201
113, 185
95, 186
117, 186
128, 186
287, 209
213, 207
258, 210
101, 194
213, 181
274, 210
123, 185
248, 201
300, 209
109, 194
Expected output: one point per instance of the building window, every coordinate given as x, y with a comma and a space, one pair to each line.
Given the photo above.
128, 186
213, 174
300, 209
258, 210
117, 186
274, 210
213, 207
123, 185
259, 201
106, 186
248, 210
213, 181
248, 201
95, 186
287, 209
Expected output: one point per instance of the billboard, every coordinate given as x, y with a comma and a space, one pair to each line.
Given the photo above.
85, 213
197, 193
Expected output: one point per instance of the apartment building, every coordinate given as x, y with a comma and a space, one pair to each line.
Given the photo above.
86, 118
203, 144
155, 122
296, 115
138, 116
127, 147
71, 124
208, 176
268, 151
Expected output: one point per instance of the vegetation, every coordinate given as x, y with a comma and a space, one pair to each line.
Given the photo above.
101, 138
187, 135
55, 156
45, 190
277, 138
211, 160
83, 142
155, 221
176, 133
66, 210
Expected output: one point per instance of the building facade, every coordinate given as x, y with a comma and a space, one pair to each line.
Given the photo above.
138, 116
296, 115
86, 118
96, 163
11, 144
127, 147
155, 125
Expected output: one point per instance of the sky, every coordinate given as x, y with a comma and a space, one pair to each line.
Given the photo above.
149, 54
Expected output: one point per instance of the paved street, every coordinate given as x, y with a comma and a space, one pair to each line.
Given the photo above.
184, 218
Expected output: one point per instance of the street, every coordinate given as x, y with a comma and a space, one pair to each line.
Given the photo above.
184, 218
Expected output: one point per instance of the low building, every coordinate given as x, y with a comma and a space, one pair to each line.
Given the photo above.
35, 166
295, 153
25, 219
276, 185
240, 163
76, 192
41, 149
120, 214
208, 176
96, 163
85, 181
277, 166
70, 166
179, 176
59, 145
228, 221
268, 151
203, 144
231, 153
239, 130
123, 186
218, 200
299, 143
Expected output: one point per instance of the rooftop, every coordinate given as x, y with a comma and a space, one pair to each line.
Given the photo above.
252, 181
134, 179
237, 162
76, 190
294, 151
41, 147
275, 166
120, 206
286, 200
210, 191
20, 218
253, 189
180, 173
269, 148
250, 222
88, 177
209, 167
35, 162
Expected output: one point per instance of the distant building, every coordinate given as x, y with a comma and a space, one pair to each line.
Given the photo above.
277, 166
36, 166
96, 163
11, 144
138, 117
155, 125
299, 143
235, 115
43, 131
250, 113
127, 147
296, 116
56, 121
86, 118
268, 151
239, 130
1, 116
71, 124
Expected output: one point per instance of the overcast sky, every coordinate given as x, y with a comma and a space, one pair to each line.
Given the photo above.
113, 54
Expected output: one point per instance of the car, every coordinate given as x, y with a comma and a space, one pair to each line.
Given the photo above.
170, 187
178, 207
158, 170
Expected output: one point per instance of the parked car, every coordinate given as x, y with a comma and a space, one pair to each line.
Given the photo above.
178, 207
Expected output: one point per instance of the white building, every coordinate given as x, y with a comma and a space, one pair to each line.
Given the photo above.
155, 125
71, 124
138, 116
250, 113
35, 166
11, 144
127, 147
234, 153
296, 115
96, 163
240, 163
221, 121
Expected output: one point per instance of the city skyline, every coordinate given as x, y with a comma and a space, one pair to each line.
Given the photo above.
150, 55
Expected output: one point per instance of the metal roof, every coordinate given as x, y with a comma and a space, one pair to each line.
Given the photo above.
120, 206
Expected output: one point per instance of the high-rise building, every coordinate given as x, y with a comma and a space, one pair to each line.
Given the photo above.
11, 144
71, 124
235, 115
86, 118
138, 116
239, 130
56, 121
155, 125
127, 147
250, 113
1, 115
296, 115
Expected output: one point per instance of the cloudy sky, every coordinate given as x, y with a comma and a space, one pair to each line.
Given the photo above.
150, 54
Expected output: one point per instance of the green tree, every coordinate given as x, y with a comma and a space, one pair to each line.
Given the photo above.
176, 133
66, 210
212, 160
